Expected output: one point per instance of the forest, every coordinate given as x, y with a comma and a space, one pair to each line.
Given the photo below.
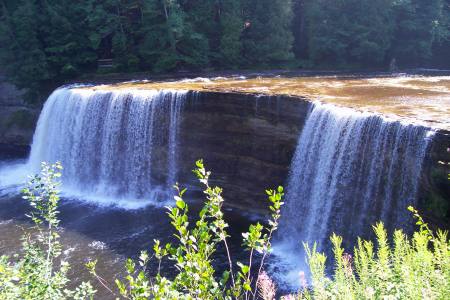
45, 43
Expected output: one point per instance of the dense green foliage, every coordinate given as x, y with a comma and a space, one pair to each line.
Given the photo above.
404, 268
363, 34
46, 43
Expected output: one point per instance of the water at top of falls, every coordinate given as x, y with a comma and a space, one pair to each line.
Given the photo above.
110, 143
349, 170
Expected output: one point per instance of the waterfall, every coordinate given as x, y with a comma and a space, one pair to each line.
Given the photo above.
350, 169
120, 145
175, 111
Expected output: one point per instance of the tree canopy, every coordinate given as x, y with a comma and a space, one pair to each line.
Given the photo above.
47, 42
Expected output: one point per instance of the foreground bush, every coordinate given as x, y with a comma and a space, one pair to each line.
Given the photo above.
416, 268
38, 272
196, 278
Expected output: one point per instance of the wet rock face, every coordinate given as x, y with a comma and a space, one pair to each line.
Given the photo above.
247, 141
17, 125
9, 94
435, 193
17, 120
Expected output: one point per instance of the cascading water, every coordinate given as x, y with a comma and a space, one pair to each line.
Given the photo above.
350, 169
175, 112
111, 143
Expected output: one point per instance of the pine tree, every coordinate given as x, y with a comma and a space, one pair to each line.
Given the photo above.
299, 31
362, 35
232, 25
267, 37
64, 32
204, 18
45, 44
417, 27
22, 52
113, 27
441, 45
169, 40
372, 33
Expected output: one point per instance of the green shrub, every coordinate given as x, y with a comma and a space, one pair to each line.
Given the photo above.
38, 272
416, 268
192, 256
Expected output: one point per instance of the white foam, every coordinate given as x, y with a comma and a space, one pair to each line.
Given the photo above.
98, 245
12, 174
157, 197
197, 79
287, 261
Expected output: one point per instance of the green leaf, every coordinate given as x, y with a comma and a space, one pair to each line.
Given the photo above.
244, 268
180, 203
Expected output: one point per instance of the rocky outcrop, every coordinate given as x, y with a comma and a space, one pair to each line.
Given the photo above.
9, 94
435, 194
17, 119
246, 140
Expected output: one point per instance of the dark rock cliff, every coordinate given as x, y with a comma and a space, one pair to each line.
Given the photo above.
17, 119
247, 141
435, 193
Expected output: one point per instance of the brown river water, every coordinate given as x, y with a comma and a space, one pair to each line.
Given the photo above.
416, 99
